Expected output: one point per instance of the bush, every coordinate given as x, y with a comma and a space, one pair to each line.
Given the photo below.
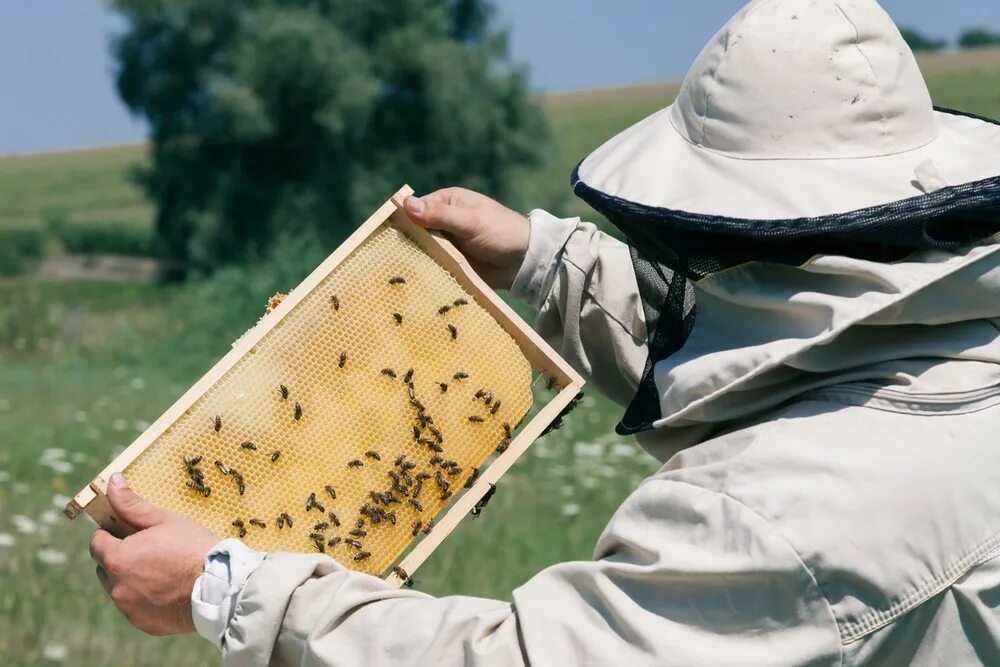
918, 41
18, 248
104, 239
976, 38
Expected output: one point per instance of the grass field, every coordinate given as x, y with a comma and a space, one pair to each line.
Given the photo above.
84, 367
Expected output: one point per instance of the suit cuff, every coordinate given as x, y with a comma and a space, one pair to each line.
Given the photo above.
213, 599
546, 241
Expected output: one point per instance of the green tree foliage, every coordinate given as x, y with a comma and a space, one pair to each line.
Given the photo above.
975, 38
287, 116
918, 41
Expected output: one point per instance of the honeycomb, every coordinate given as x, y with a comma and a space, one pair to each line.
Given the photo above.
313, 394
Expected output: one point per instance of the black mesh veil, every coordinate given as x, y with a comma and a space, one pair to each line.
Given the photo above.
671, 248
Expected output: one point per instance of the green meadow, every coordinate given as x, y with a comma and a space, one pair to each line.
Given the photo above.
85, 366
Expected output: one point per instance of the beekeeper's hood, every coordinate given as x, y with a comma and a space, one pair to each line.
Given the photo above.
797, 207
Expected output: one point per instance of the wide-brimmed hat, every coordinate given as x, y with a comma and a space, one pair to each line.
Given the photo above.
802, 129
795, 111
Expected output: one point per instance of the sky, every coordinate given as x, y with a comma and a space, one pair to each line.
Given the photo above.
57, 80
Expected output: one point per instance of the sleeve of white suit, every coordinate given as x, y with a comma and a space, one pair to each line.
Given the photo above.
681, 576
583, 285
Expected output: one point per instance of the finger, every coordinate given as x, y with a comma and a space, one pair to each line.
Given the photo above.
102, 543
438, 212
130, 508
105, 579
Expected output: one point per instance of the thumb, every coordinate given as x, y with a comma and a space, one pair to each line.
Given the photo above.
438, 213
130, 508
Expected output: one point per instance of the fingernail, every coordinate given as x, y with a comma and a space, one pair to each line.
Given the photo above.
415, 204
118, 480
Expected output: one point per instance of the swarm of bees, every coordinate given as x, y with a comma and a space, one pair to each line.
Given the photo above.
403, 480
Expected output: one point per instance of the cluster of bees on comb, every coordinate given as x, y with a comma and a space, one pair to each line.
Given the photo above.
409, 480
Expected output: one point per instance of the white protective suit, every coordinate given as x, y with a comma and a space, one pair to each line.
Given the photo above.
830, 493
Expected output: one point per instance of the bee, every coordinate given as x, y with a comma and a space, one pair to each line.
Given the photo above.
258, 523
238, 524
334, 520
192, 461
495, 408
504, 444
398, 317
312, 502
322, 525
449, 464
416, 504
434, 461
455, 471
274, 456
363, 555
223, 468
479, 394
298, 411
288, 519
390, 497
441, 481
401, 573
200, 488
280, 521
426, 441
416, 433
434, 447
444, 386
335, 301
444, 309
424, 419
249, 446
357, 532
342, 360
476, 419
436, 433
416, 528
406, 478
410, 391
330, 492
416, 488
461, 302
389, 372
408, 465
240, 484
472, 478
551, 382
427, 528
284, 392
423, 475
506, 430
417, 404
445, 495
460, 375
320, 543
408, 376
317, 536
217, 423
453, 330
334, 541
373, 455
488, 398
481, 505
354, 464
391, 518
354, 543
360, 523
397, 280
399, 460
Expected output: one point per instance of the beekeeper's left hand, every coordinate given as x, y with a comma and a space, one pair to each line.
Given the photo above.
150, 574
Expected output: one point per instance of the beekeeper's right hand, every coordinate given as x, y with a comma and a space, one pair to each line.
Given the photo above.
491, 236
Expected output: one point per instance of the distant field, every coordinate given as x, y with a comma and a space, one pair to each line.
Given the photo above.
95, 186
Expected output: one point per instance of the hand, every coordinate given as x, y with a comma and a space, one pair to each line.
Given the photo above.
150, 574
491, 236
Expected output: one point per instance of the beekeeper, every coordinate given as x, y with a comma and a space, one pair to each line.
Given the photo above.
805, 329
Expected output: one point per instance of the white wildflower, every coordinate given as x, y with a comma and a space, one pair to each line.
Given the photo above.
622, 449
4, 476
120, 372
570, 509
140, 425
90, 433
4, 405
119, 425
7, 540
50, 517
24, 524
20, 488
55, 652
51, 556
80, 416
137, 383
61, 467
60, 501
588, 449
53, 454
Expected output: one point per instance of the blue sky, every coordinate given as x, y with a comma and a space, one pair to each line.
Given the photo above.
58, 91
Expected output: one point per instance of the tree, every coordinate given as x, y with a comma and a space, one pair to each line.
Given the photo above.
289, 116
918, 41
975, 38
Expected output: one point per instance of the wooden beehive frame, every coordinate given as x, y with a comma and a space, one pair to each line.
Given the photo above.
543, 359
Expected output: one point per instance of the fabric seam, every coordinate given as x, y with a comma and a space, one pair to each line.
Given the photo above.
871, 68
597, 302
